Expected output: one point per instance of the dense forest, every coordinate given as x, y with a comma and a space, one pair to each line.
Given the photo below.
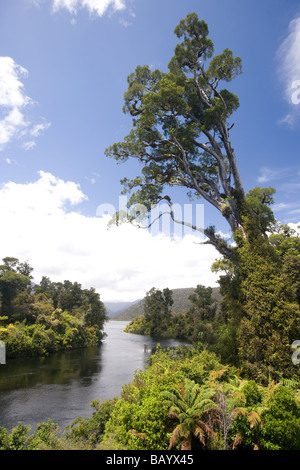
222, 326
36, 319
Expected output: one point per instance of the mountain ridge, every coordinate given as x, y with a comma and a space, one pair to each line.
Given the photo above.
116, 308
180, 298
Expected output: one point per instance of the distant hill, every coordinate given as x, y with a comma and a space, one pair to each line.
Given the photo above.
115, 308
180, 298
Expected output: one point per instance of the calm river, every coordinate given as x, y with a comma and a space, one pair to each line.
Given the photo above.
62, 386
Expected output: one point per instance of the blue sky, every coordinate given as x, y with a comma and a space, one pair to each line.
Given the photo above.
63, 71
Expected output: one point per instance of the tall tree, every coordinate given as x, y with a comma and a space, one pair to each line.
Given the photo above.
12, 284
181, 134
181, 130
203, 303
157, 309
14, 265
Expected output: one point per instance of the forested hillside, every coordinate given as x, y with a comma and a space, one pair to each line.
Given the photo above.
181, 303
114, 309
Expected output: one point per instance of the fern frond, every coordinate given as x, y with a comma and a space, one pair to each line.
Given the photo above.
254, 418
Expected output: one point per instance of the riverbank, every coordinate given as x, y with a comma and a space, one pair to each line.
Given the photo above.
185, 399
62, 385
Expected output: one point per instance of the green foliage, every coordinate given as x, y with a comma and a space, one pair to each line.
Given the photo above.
11, 284
138, 326
252, 393
271, 310
221, 109
198, 324
16, 440
195, 44
260, 291
227, 344
140, 418
157, 310
207, 400
287, 245
48, 318
258, 202
45, 437
189, 406
89, 432
180, 128
281, 430
184, 398
225, 66
202, 297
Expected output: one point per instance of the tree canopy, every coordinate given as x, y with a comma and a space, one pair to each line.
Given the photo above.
181, 133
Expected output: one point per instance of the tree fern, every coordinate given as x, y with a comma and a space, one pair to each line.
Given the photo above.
190, 405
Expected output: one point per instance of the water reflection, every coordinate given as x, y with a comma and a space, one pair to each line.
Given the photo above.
58, 368
62, 385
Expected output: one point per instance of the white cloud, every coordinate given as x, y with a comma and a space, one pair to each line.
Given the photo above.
92, 179
266, 175
121, 263
283, 206
287, 184
287, 212
47, 196
295, 227
271, 174
288, 56
13, 104
29, 145
95, 7
38, 129
10, 161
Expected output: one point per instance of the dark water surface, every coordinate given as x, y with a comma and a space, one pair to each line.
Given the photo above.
62, 386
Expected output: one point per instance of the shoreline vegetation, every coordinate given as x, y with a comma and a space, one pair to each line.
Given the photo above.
200, 321
38, 319
186, 398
